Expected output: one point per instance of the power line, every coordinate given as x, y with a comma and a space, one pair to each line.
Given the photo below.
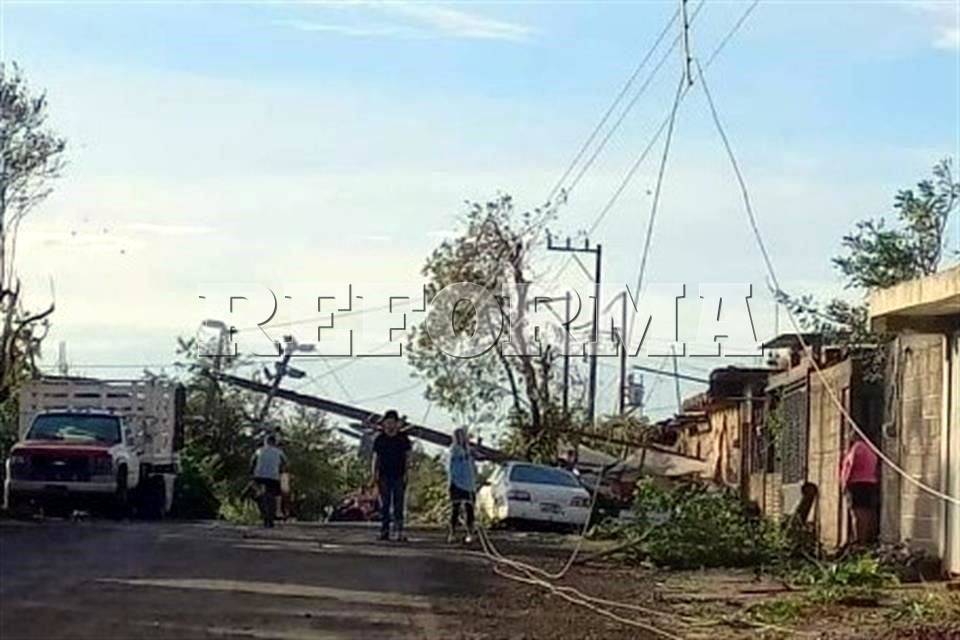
631, 172
681, 91
633, 102
613, 105
389, 394
771, 271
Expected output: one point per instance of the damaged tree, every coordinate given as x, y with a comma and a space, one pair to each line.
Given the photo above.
31, 156
502, 360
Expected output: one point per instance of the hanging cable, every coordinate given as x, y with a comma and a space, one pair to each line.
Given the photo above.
771, 272
613, 105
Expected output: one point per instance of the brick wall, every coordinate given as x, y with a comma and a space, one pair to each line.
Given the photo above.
913, 438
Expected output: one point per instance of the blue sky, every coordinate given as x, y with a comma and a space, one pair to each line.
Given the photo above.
271, 142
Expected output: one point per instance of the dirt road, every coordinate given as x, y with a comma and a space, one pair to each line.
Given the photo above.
145, 580
109, 580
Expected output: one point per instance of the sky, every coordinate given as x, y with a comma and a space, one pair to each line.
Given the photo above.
285, 144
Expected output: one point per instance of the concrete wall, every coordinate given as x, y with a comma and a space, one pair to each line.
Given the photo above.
913, 436
825, 450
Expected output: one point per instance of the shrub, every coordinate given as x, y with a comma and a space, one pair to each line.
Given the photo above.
194, 493
240, 511
855, 580
696, 526
928, 607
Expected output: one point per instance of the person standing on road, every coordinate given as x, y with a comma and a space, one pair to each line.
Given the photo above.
390, 460
462, 475
860, 480
266, 466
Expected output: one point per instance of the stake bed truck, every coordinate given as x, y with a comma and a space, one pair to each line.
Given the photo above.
96, 443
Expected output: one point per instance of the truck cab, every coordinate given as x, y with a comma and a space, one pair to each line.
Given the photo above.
72, 456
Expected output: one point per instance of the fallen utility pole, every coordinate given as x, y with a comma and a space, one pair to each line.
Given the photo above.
432, 436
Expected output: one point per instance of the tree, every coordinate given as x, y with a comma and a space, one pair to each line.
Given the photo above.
31, 156
877, 256
222, 436
494, 253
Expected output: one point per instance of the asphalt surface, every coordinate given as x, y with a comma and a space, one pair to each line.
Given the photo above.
96, 580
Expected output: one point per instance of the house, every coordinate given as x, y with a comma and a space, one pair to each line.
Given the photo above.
769, 431
714, 425
921, 427
802, 436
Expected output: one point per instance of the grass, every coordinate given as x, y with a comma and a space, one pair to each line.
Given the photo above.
928, 607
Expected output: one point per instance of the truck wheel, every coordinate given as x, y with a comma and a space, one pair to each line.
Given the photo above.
121, 498
153, 498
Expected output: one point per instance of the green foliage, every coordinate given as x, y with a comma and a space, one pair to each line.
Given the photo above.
928, 607
195, 495
492, 253
879, 256
694, 526
779, 611
239, 511
854, 571
852, 579
428, 494
221, 441
321, 467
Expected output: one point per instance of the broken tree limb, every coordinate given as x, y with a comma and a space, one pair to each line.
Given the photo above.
615, 549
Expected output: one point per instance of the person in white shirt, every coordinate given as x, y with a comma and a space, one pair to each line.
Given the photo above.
266, 465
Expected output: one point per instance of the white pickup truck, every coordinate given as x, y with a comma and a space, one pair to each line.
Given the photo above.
93, 443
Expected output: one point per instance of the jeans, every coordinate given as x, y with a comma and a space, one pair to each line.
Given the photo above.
267, 499
392, 492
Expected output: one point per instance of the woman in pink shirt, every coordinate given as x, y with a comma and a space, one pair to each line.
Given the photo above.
860, 480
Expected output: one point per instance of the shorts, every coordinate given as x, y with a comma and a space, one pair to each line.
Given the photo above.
864, 495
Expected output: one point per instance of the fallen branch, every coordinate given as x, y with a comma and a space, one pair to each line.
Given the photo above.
618, 548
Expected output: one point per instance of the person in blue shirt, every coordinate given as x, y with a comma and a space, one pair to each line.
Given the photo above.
462, 475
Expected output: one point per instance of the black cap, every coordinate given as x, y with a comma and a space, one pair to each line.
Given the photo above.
391, 414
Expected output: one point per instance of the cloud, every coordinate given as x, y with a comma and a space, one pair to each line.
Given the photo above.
422, 21
460, 24
946, 23
354, 31
947, 38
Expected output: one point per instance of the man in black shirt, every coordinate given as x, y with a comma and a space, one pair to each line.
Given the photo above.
390, 454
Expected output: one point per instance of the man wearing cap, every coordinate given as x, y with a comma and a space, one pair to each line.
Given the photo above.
390, 457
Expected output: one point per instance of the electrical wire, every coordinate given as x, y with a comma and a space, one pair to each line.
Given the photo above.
632, 103
613, 105
682, 87
631, 172
771, 272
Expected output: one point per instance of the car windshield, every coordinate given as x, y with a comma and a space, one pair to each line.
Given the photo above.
543, 475
104, 429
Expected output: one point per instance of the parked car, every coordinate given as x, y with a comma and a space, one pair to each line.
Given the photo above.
521, 492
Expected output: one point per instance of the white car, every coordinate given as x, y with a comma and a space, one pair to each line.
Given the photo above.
525, 492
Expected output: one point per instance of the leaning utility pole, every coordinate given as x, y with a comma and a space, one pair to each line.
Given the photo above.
281, 368
597, 252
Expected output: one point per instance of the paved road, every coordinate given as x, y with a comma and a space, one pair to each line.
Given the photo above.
99, 580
